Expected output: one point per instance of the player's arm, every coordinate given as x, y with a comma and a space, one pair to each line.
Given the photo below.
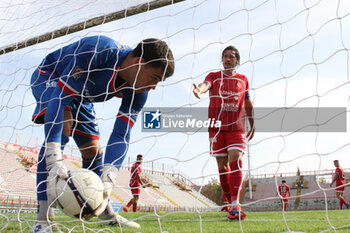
118, 142
141, 180
201, 88
132, 104
334, 179
250, 115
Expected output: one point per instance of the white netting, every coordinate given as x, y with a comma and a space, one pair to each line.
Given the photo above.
294, 53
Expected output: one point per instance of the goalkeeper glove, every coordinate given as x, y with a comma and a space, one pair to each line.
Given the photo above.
108, 178
56, 168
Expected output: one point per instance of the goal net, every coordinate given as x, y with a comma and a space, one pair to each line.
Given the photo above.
295, 55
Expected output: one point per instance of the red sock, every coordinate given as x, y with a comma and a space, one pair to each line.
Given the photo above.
285, 206
235, 179
134, 208
225, 185
129, 203
342, 202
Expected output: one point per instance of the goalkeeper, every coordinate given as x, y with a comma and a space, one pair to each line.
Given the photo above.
230, 103
65, 86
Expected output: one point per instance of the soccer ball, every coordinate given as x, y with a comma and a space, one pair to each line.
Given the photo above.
80, 194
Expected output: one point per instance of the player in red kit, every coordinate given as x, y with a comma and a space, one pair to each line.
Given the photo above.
283, 191
135, 184
230, 103
339, 180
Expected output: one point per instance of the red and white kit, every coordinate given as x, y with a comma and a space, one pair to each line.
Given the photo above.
227, 98
134, 183
283, 190
341, 179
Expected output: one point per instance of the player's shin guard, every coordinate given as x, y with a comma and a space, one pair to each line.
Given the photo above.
235, 179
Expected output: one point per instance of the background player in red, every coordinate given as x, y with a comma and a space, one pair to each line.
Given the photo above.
283, 191
135, 184
339, 178
230, 103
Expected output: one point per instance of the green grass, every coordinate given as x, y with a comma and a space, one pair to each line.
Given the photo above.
297, 221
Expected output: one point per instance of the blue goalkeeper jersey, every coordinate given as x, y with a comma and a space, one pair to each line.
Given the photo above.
87, 71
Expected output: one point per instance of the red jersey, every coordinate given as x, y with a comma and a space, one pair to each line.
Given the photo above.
283, 190
136, 169
227, 99
341, 176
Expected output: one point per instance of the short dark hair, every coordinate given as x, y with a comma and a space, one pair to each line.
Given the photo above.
157, 54
233, 48
139, 156
283, 181
336, 161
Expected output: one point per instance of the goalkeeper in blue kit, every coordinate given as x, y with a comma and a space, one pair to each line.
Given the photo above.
65, 86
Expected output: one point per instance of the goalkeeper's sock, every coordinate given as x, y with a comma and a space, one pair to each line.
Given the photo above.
43, 209
235, 179
94, 164
41, 176
224, 176
64, 141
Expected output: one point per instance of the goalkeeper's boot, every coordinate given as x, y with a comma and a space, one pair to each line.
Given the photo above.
42, 227
119, 220
236, 213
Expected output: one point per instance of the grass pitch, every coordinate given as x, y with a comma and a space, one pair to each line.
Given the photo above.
292, 221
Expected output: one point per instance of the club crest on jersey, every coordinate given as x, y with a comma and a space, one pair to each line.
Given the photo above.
77, 73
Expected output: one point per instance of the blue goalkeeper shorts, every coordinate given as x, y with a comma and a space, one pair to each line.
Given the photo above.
85, 127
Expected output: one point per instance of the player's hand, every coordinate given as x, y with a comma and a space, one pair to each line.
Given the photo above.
250, 134
60, 170
54, 161
108, 178
196, 91
51, 190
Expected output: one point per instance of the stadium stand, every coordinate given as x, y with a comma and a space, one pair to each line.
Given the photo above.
175, 192
17, 184
312, 194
